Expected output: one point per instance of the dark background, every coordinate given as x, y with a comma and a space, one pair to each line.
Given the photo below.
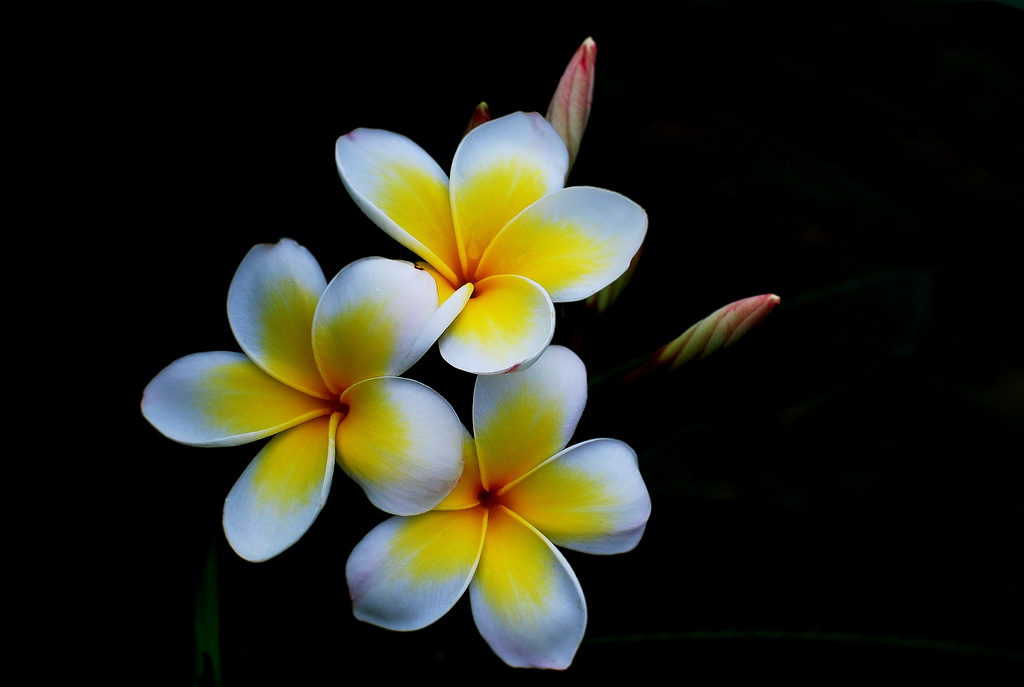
839, 494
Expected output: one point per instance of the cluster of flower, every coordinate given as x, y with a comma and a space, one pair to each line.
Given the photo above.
501, 240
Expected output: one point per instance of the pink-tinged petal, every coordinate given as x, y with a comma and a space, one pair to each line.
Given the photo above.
375, 318
527, 602
402, 442
504, 326
570, 107
400, 187
590, 497
722, 328
409, 571
221, 398
573, 242
270, 307
280, 494
501, 167
522, 419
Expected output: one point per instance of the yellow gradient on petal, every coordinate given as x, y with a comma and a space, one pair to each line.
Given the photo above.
419, 203
239, 398
500, 313
563, 501
289, 472
364, 341
520, 435
285, 334
485, 202
436, 545
516, 570
445, 288
374, 430
467, 491
555, 253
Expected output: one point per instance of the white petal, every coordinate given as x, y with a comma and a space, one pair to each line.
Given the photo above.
527, 602
377, 317
221, 398
409, 571
403, 191
281, 493
501, 167
505, 326
270, 307
573, 242
523, 418
402, 442
590, 497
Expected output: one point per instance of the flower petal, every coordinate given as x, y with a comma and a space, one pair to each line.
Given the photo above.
501, 167
400, 187
270, 307
409, 571
573, 242
372, 319
221, 398
450, 308
467, 492
504, 326
402, 442
522, 419
280, 494
590, 497
606, 297
527, 602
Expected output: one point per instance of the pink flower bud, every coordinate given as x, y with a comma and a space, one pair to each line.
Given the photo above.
722, 328
570, 107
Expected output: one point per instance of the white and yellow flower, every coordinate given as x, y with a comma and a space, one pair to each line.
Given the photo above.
522, 494
318, 375
503, 238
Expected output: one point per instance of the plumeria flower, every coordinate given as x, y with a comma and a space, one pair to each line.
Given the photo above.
522, 494
318, 375
503, 238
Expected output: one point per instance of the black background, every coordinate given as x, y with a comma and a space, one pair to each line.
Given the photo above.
838, 494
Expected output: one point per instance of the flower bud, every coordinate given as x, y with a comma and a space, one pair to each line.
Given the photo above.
481, 114
721, 328
570, 107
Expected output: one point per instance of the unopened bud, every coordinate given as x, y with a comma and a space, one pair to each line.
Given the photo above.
481, 114
721, 328
570, 107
